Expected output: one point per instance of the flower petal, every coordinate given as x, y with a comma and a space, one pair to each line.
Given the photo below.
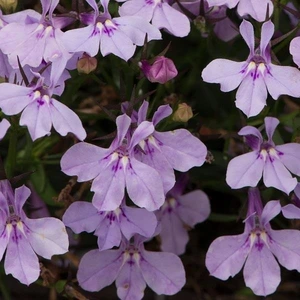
290, 156
261, 271
270, 211
226, 255
270, 126
20, 259
225, 72
48, 236
99, 269
245, 170
83, 160
194, 208
247, 32
163, 272
275, 174
161, 113
82, 216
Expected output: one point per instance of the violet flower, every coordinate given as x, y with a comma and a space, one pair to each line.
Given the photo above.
256, 9
110, 226
255, 249
25, 238
254, 76
37, 39
132, 267
161, 70
267, 160
114, 35
39, 109
178, 212
115, 168
160, 13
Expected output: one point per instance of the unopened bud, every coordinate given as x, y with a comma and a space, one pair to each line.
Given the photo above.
86, 64
161, 71
183, 113
8, 6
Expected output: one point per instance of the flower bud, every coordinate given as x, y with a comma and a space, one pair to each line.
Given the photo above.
8, 6
183, 113
86, 64
161, 71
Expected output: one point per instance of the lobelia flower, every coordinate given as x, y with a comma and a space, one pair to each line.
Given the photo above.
114, 35
164, 151
267, 160
115, 168
160, 13
256, 248
40, 110
254, 76
161, 70
224, 28
110, 226
256, 9
26, 238
37, 39
177, 212
132, 267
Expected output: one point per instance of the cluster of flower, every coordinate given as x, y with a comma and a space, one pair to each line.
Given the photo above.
141, 160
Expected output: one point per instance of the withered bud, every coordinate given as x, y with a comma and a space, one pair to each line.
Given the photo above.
183, 113
8, 6
86, 64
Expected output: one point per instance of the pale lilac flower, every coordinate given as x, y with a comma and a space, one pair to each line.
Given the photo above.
38, 38
132, 267
26, 238
113, 35
39, 109
295, 50
178, 212
267, 160
4, 125
164, 151
161, 70
257, 9
109, 226
160, 13
256, 248
255, 76
224, 28
115, 168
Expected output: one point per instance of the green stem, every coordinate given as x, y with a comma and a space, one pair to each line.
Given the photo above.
12, 152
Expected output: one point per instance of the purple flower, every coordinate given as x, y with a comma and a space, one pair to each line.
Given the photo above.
161, 70
254, 76
256, 9
40, 110
109, 226
132, 267
266, 159
36, 39
115, 168
160, 12
25, 238
164, 151
114, 35
257, 247
177, 212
